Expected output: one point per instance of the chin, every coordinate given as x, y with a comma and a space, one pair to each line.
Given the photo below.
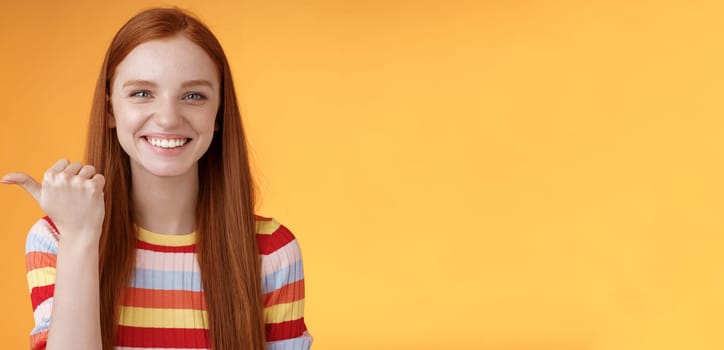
168, 172
172, 169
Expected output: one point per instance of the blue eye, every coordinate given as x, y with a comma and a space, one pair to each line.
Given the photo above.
194, 96
141, 93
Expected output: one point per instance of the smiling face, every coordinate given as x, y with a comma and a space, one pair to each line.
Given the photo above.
164, 96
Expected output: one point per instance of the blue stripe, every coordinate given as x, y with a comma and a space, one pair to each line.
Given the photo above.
40, 239
287, 275
43, 325
167, 280
301, 343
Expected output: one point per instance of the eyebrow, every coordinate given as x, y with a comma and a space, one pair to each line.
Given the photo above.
139, 83
186, 84
197, 82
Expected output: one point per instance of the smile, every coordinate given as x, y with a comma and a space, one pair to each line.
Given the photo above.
167, 143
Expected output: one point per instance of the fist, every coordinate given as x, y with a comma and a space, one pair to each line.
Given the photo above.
71, 194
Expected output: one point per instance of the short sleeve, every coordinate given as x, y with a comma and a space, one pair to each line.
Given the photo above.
283, 287
41, 250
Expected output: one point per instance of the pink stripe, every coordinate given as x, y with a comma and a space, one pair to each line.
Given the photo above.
281, 258
150, 260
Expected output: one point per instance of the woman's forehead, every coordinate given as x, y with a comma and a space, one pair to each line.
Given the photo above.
170, 61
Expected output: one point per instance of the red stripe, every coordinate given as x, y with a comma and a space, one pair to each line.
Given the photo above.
40, 294
285, 330
38, 260
164, 299
159, 248
270, 243
52, 224
39, 341
287, 294
143, 337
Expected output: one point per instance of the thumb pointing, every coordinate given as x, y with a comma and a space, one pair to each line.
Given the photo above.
25, 181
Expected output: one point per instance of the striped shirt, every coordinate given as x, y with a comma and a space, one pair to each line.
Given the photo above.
164, 305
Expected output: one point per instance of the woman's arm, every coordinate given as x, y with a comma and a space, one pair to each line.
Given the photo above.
72, 302
75, 322
72, 195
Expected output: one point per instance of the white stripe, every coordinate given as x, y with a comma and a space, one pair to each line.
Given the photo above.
41, 238
42, 316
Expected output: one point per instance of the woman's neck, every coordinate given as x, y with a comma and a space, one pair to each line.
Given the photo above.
165, 205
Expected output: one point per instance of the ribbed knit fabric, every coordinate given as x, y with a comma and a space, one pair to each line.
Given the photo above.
164, 306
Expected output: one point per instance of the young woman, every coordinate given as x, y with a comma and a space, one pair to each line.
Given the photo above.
153, 242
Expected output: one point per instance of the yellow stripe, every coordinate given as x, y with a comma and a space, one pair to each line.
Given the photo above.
267, 227
41, 277
167, 240
284, 312
262, 227
163, 318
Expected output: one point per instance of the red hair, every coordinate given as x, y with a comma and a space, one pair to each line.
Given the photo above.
227, 249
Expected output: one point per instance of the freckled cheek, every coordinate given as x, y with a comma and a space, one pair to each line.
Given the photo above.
200, 118
130, 119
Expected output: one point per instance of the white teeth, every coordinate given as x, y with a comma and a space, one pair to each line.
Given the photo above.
166, 143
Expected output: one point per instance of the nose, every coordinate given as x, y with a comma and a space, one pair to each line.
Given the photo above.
168, 115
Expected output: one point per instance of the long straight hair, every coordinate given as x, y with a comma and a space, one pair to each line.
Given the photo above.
227, 248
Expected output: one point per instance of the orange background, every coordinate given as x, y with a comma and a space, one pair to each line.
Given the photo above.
514, 175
